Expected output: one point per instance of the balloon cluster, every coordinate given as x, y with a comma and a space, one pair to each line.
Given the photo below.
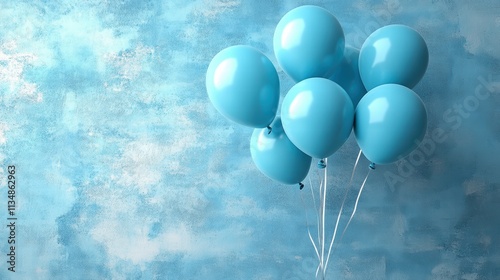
338, 89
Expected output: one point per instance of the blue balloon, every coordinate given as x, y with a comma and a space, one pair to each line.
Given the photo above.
243, 86
308, 42
393, 54
276, 157
390, 122
317, 116
347, 75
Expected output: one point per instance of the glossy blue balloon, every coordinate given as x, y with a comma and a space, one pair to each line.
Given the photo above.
390, 122
276, 156
308, 42
317, 116
243, 86
393, 54
347, 75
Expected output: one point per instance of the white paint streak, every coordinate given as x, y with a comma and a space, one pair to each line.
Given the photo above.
211, 9
12, 66
478, 27
248, 207
473, 186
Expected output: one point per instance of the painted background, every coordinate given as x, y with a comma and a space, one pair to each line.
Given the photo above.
124, 170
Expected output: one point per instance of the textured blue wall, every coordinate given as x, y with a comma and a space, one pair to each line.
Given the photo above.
125, 170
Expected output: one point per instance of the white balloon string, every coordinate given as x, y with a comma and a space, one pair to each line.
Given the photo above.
315, 207
320, 213
356, 204
320, 226
320, 180
340, 211
320, 210
323, 218
307, 224
355, 166
323, 276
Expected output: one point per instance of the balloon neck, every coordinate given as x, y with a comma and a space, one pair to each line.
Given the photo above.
322, 164
301, 186
269, 129
372, 166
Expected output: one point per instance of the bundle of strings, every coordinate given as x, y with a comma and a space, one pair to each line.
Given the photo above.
319, 249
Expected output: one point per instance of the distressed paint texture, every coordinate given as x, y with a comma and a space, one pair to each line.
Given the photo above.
126, 171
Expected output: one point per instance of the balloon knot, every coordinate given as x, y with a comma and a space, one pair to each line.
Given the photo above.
269, 129
372, 166
321, 164
301, 186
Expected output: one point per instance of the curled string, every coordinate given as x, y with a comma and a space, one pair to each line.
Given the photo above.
340, 211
